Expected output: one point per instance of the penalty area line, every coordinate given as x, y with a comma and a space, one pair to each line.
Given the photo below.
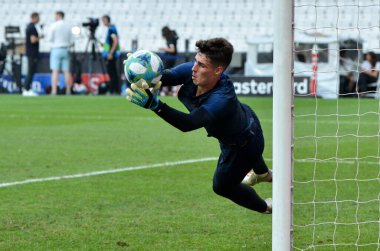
96, 173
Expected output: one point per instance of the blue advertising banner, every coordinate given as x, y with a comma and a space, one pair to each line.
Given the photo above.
244, 86
41, 83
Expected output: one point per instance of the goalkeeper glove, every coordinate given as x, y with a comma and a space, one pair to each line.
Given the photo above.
145, 97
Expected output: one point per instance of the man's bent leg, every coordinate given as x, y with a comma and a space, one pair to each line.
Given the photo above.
241, 194
233, 165
260, 173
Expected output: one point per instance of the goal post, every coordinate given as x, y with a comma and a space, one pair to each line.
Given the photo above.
282, 125
326, 148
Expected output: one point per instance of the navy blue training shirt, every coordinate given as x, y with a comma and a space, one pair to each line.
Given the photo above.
218, 111
31, 48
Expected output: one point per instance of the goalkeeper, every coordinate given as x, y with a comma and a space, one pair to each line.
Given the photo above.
210, 97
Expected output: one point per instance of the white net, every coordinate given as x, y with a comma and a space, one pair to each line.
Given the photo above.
336, 196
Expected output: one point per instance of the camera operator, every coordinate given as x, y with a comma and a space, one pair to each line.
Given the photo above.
111, 52
61, 39
32, 52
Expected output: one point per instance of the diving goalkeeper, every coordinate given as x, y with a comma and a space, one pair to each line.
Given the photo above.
210, 97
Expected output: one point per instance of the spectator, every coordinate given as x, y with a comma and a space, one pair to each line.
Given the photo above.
369, 72
170, 52
347, 70
111, 53
32, 52
171, 49
60, 38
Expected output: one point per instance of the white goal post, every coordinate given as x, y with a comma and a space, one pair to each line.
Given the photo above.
326, 193
282, 124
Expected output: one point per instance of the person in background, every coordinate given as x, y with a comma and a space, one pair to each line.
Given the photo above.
369, 72
347, 74
170, 52
60, 38
32, 52
111, 53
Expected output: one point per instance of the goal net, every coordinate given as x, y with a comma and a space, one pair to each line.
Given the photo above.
336, 185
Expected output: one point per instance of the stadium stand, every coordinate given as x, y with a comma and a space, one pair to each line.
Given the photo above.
237, 20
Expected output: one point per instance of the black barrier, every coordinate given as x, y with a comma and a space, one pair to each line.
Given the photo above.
263, 86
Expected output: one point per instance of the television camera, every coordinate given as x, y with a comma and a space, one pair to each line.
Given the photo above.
92, 24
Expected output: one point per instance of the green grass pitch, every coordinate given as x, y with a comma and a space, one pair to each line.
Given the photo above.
174, 208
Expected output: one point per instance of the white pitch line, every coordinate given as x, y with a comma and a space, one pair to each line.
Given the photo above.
175, 163
80, 175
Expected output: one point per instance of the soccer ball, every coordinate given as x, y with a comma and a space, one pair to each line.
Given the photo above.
143, 65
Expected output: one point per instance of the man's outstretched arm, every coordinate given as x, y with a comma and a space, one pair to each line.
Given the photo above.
183, 121
144, 97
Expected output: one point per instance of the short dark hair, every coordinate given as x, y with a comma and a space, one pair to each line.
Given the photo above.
166, 32
108, 18
60, 13
218, 50
34, 15
373, 58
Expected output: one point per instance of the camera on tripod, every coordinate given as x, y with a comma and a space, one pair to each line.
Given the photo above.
92, 24
92, 56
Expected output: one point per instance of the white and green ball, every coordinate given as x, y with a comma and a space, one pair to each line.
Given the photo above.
143, 64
